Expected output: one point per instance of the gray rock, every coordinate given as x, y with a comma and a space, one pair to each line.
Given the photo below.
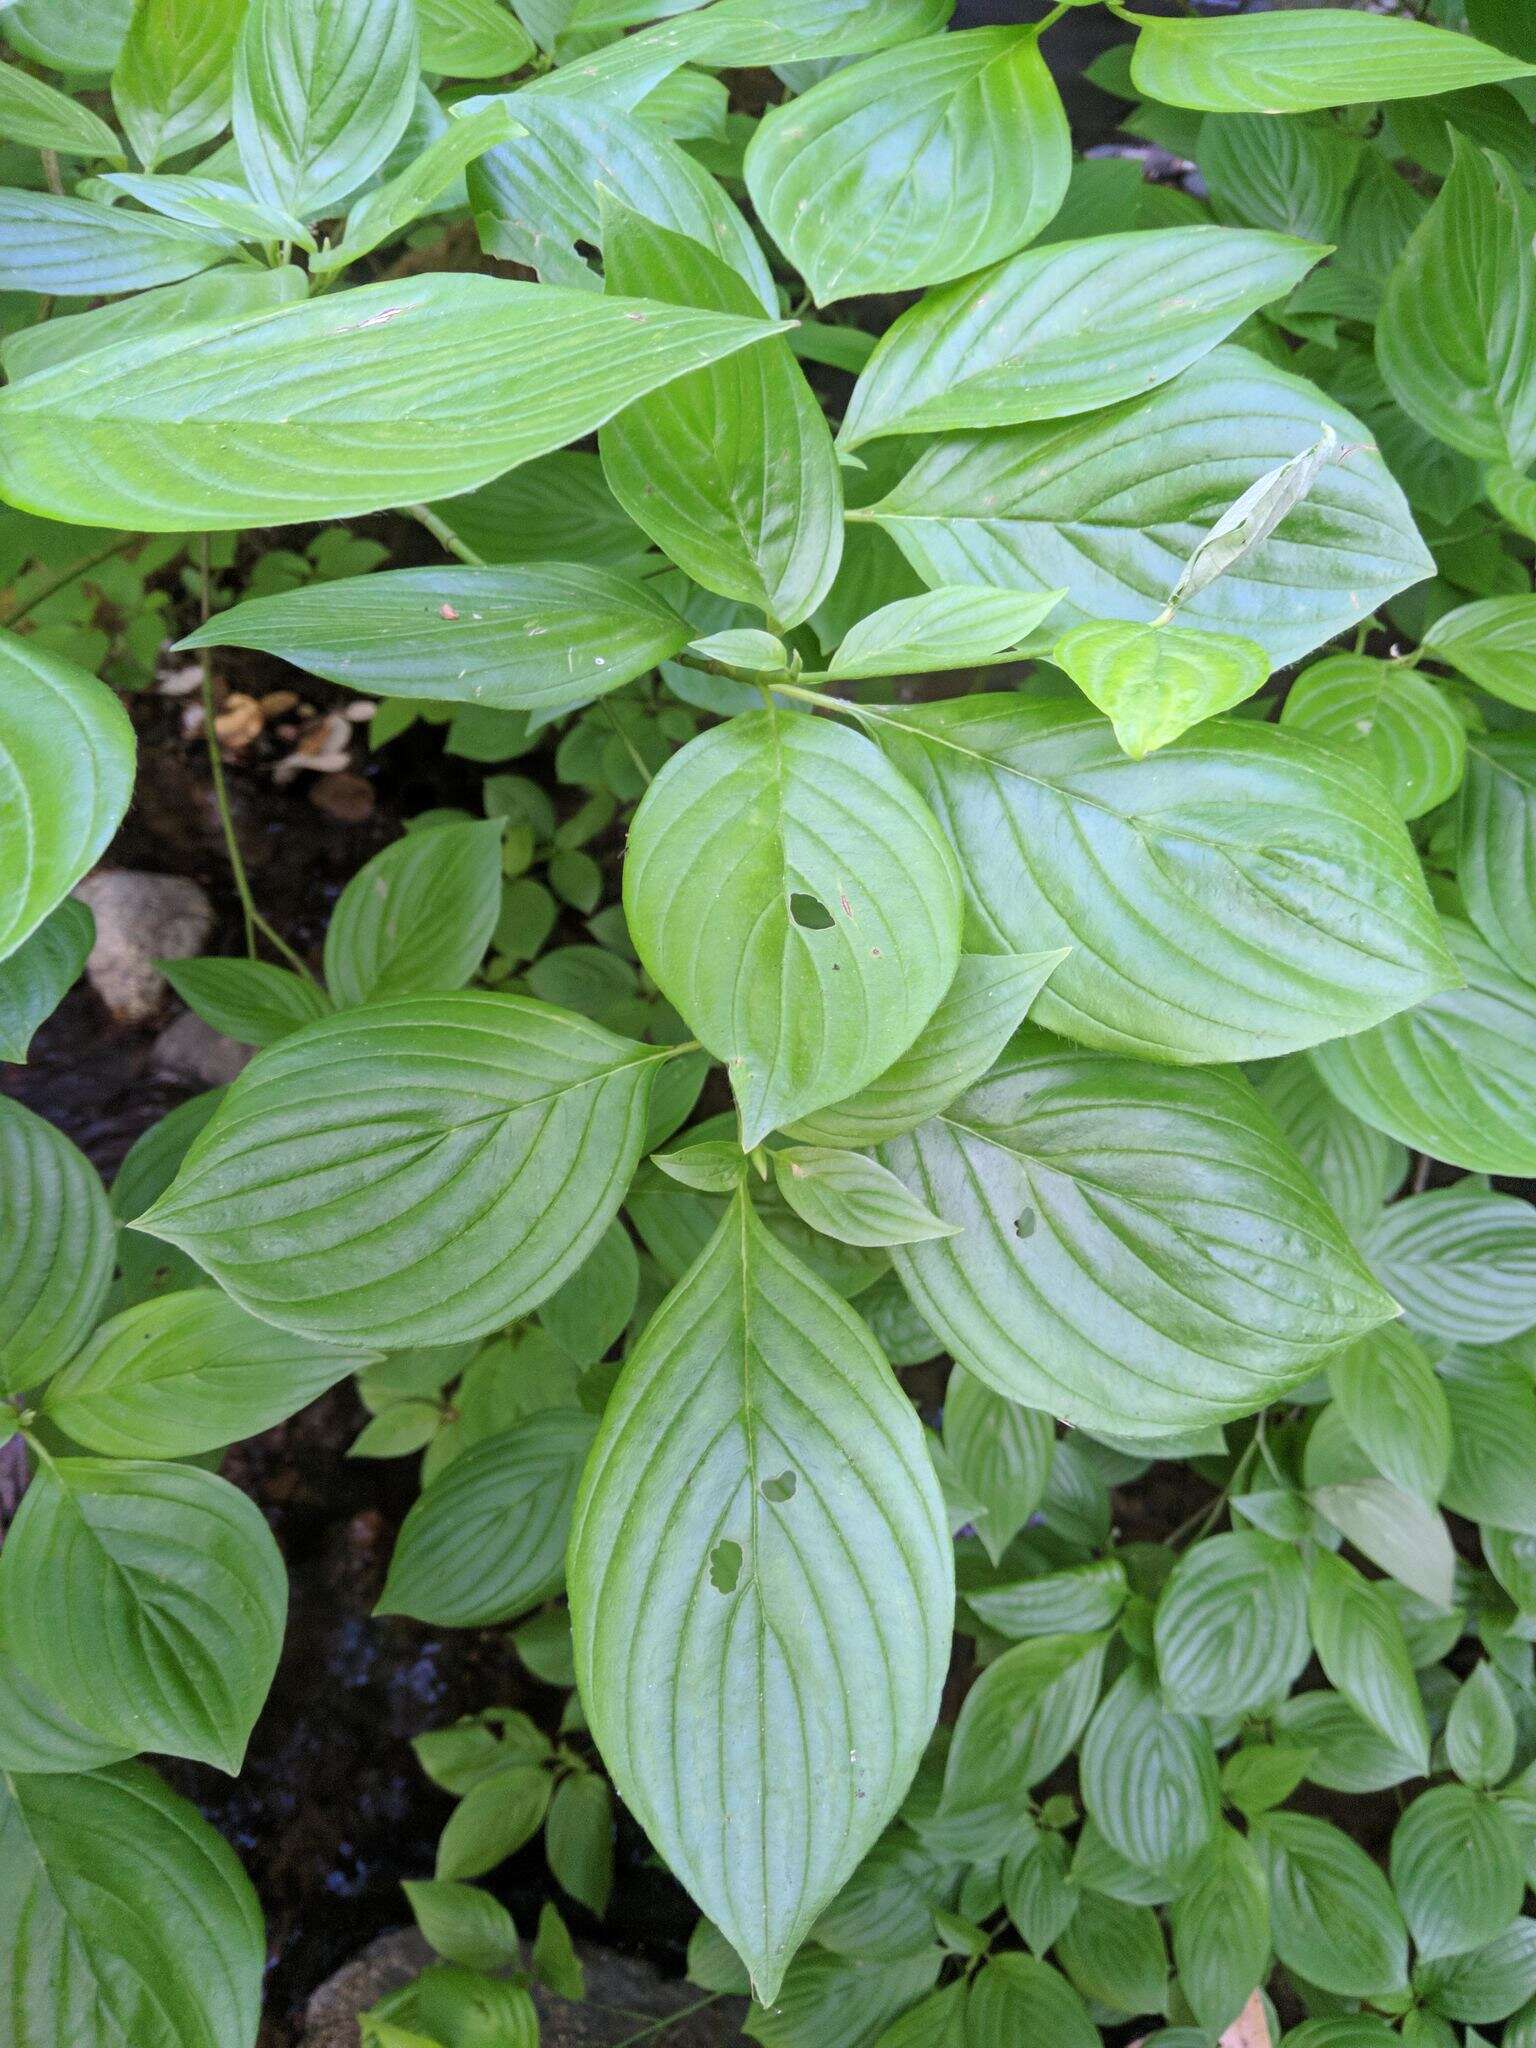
140, 919
622, 1996
190, 1050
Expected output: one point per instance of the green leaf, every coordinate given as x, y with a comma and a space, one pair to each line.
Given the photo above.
151, 1598
1275, 64
39, 116
687, 463
1396, 1530
464, 1924
1289, 176
387, 209
1023, 1716
173, 80
125, 1920
1067, 329
497, 1815
248, 1000
1096, 1278
792, 895
1389, 1394
885, 175
1221, 1931
588, 1314
1456, 1075
1113, 1952
554, 1959
222, 212
33, 981
887, 1907
1113, 503
1081, 1599
417, 1172
1456, 1870
323, 91
848, 1196
1148, 1776
448, 2004
1227, 834
578, 1839
418, 917
1488, 1984
543, 639
1346, 1752
66, 774
1456, 340
1462, 1263
1493, 1439
1356, 1166
414, 388
1335, 1921
1360, 1646
486, 1540
1490, 642
1480, 1735
1231, 1625
1262, 1775
715, 1168
38, 1734
539, 199
77, 248
962, 627
743, 33
1496, 846
839, 2001
75, 36
1155, 682
1002, 1453
472, 38
723, 1598
962, 1040
556, 509
56, 1247
187, 1373
1395, 720
1040, 1897
1015, 1998
216, 296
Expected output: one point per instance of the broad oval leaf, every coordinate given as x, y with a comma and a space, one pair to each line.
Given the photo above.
962, 627
1456, 340
415, 388
1496, 846
1155, 682
1456, 1870
486, 1540
1491, 642
1221, 1931
250, 1001
543, 638
979, 1012
125, 1919
1240, 893
33, 980
172, 82
1113, 503
323, 90
1356, 1166
56, 1247
1002, 1453
1290, 176
1139, 1250
151, 1598
885, 175
1461, 1261
1492, 1404
189, 1372
792, 895
417, 918
38, 1734
1068, 328
760, 1666
1395, 1406
849, 1196
1017, 1998
1392, 718
1275, 64
417, 1171
1487, 1984
472, 38
1456, 1075
1360, 1646
41, 117
215, 296
737, 33
1149, 1777
1231, 1624
730, 470
66, 774
1397, 1530
1335, 1921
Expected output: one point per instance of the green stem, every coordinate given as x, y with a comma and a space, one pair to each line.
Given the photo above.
733, 671
672, 2019
445, 536
60, 577
254, 921
625, 741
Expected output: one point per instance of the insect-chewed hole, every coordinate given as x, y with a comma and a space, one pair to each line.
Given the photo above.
1024, 1223
779, 1489
725, 1566
809, 912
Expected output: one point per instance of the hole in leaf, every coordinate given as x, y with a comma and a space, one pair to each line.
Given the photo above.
725, 1566
780, 1489
809, 912
1024, 1223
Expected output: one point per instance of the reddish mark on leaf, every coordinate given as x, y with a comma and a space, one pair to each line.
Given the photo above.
446, 611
